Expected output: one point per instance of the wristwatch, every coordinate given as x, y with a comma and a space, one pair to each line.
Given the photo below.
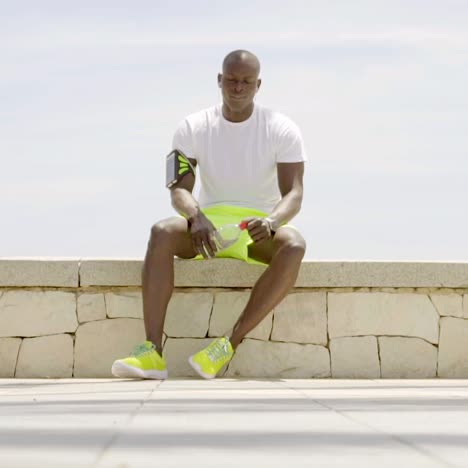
274, 225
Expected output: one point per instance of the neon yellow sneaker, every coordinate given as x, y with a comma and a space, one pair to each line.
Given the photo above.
209, 361
144, 363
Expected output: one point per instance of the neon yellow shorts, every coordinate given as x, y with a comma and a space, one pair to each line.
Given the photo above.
220, 215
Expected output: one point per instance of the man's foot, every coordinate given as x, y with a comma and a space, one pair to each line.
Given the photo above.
209, 361
144, 363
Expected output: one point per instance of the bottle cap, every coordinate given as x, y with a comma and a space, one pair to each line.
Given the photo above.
243, 225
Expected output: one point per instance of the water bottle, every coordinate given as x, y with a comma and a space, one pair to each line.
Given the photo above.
227, 235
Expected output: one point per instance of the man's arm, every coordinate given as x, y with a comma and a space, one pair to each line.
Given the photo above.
200, 227
290, 177
290, 181
182, 198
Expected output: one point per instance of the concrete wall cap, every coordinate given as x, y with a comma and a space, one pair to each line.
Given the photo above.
67, 272
40, 271
234, 273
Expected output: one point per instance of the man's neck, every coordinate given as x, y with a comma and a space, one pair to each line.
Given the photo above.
234, 116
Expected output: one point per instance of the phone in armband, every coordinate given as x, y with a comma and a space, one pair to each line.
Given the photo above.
177, 166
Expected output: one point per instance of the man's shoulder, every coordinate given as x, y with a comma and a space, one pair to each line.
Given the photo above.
273, 115
276, 119
197, 123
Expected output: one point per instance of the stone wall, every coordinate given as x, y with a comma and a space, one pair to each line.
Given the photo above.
64, 318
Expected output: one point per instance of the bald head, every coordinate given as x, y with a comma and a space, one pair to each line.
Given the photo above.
242, 56
239, 83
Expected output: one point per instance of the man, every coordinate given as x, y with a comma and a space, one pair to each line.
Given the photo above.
251, 164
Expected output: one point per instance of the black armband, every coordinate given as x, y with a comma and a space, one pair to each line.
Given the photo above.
177, 166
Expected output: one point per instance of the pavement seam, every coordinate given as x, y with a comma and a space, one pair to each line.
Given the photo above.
124, 424
394, 437
17, 356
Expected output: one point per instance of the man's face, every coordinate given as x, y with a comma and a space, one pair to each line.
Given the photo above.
239, 83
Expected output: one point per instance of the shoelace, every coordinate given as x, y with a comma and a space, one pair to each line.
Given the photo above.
141, 350
218, 350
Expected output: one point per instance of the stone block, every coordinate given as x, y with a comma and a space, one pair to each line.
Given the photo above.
254, 358
46, 357
125, 304
221, 272
98, 344
177, 351
38, 272
465, 305
227, 308
301, 318
91, 307
355, 358
361, 314
234, 273
110, 272
188, 315
407, 358
448, 304
383, 274
453, 348
9, 348
217, 273
37, 313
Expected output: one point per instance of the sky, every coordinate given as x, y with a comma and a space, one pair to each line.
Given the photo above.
92, 91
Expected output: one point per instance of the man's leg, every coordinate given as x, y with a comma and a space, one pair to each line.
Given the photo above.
168, 238
284, 254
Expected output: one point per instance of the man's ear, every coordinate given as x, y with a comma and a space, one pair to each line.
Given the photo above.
219, 79
259, 82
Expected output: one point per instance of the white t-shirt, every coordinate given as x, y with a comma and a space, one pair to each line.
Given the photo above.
237, 160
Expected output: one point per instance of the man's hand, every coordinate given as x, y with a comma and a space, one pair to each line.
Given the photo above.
202, 231
259, 229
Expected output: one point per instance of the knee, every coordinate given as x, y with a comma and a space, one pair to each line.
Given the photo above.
160, 233
294, 248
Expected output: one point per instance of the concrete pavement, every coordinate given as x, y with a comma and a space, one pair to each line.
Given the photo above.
233, 423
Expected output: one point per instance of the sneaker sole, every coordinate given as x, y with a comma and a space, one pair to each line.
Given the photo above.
122, 370
196, 367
